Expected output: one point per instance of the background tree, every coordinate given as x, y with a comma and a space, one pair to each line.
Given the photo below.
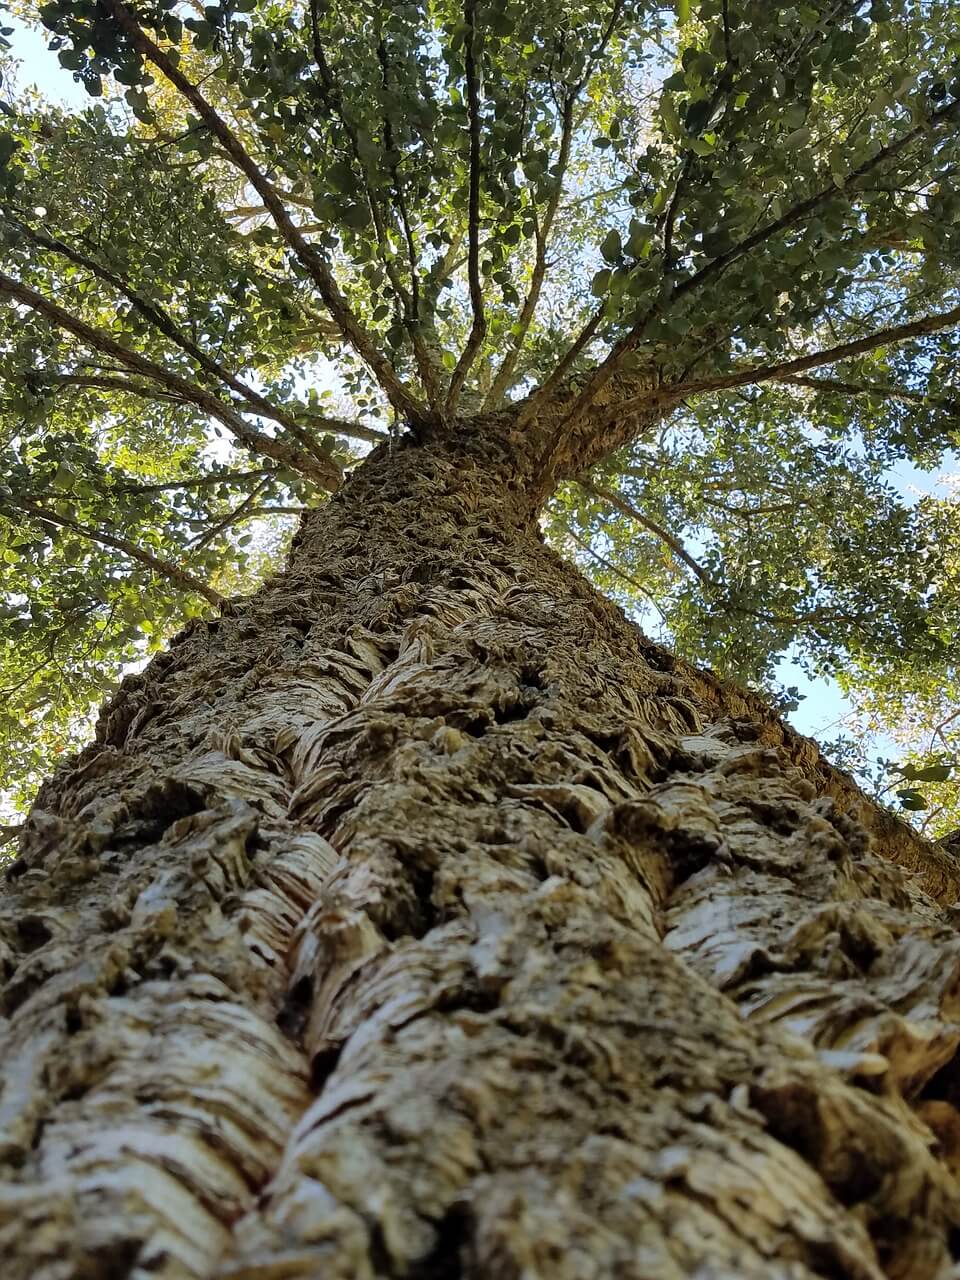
412, 913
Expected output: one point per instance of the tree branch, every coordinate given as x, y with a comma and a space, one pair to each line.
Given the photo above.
605, 370
503, 379
777, 372
665, 536
546, 389
162, 321
675, 393
324, 472
104, 382
478, 329
868, 389
504, 376
614, 569
430, 369
199, 482
803, 208
314, 261
333, 100
231, 517
747, 513
166, 568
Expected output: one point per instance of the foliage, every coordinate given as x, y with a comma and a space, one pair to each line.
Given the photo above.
283, 231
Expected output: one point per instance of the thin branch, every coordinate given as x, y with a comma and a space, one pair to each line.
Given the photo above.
231, 517
166, 568
478, 329
341, 427
870, 389
10, 833
324, 473
673, 209
777, 372
504, 376
803, 208
746, 513
259, 513
797, 213
104, 382
333, 100
312, 259
199, 482
164, 322
428, 368
443, 267
614, 569
533, 402
665, 536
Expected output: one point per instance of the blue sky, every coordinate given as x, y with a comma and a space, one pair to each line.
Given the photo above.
40, 68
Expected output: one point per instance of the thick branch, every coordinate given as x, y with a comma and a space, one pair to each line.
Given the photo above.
478, 329
797, 213
322, 472
315, 263
166, 568
675, 393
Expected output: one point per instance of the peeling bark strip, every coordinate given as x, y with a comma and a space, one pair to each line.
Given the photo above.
419, 919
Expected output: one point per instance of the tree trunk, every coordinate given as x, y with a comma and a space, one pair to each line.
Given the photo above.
420, 918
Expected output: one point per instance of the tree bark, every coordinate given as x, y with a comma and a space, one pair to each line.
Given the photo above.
419, 918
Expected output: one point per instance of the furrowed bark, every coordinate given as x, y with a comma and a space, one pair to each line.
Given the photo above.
419, 918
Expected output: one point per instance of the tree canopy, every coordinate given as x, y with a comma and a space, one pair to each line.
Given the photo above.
722, 236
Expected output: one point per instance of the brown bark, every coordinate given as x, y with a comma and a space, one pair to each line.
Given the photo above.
419, 918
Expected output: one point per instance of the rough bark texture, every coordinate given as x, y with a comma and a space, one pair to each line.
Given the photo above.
419, 918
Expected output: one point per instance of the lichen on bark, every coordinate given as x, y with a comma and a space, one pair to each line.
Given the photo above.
418, 917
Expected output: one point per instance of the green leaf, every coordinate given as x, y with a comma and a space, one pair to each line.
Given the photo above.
670, 116
797, 139
611, 247
928, 773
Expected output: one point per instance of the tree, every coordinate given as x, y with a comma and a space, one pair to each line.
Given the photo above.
412, 914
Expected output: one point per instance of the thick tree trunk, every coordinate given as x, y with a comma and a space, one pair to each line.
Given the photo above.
419, 918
